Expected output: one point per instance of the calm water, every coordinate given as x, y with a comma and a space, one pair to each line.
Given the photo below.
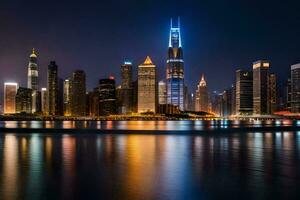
150, 125
102, 166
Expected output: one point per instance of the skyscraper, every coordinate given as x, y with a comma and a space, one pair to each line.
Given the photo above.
244, 92
162, 92
261, 87
272, 94
175, 68
107, 96
295, 88
10, 92
67, 97
227, 102
78, 93
202, 97
93, 103
126, 75
147, 87
24, 100
125, 93
288, 95
44, 101
32, 75
32, 80
52, 79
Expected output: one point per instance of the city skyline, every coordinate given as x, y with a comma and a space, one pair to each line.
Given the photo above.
206, 40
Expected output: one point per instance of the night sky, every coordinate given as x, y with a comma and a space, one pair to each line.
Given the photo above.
97, 36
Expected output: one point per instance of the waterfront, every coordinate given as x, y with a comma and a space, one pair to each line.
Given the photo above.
237, 165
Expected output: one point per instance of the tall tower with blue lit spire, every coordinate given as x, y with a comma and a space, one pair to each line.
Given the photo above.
175, 68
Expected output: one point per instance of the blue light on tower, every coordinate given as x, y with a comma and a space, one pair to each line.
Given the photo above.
175, 68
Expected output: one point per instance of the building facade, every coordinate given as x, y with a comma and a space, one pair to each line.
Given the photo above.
202, 97
10, 92
162, 92
261, 87
107, 97
175, 68
125, 93
52, 85
33, 80
295, 88
147, 87
78, 93
24, 100
272, 94
67, 97
44, 101
244, 93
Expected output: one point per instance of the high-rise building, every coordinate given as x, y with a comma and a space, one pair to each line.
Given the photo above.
60, 97
162, 92
135, 96
24, 100
32, 80
261, 87
93, 103
202, 97
288, 95
227, 102
295, 88
244, 93
52, 79
67, 97
44, 101
175, 68
126, 75
32, 75
10, 92
272, 97
107, 96
125, 92
78, 93
217, 103
147, 87
233, 99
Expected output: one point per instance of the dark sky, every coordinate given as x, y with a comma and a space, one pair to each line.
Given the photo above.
218, 37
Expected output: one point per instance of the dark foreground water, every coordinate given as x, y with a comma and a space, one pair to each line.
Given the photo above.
136, 166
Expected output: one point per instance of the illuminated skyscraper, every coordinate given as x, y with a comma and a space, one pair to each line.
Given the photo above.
202, 98
67, 97
107, 96
295, 88
125, 92
44, 101
32, 80
147, 87
244, 93
162, 92
32, 76
175, 68
10, 92
261, 87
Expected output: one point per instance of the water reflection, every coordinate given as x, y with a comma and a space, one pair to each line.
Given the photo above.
183, 125
247, 165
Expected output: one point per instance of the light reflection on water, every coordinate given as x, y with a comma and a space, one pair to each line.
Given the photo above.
244, 165
183, 125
